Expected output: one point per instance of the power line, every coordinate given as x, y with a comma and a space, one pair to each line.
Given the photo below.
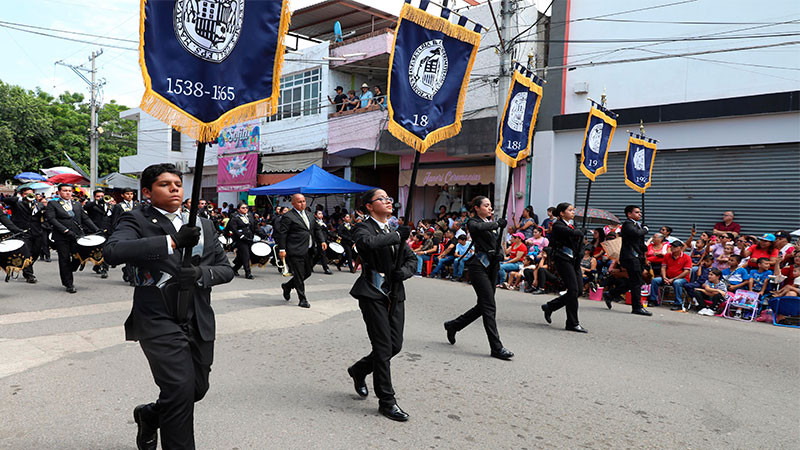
664, 40
65, 38
77, 33
680, 22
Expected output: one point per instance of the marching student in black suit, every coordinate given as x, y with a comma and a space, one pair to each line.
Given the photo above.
566, 242
127, 204
242, 227
345, 233
69, 220
179, 352
100, 211
381, 296
482, 267
632, 257
27, 215
320, 255
297, 238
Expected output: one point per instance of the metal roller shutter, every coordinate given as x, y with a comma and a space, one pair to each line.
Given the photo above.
761, 184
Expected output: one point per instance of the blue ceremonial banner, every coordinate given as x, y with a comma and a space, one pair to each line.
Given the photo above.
208, 64
599, 132
639, 163
519, 118
429, 73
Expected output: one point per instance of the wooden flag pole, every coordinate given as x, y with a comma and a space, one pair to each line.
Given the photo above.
410, 199
586, 206
185, 293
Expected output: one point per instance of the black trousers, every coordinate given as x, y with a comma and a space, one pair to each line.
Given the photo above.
572, 278
384, 323
44, 245
242, 257
300, 267
34, 246
545, 276
482, 279
321, 257
347, 256
66, 263
180, 364
701, 297
633, 282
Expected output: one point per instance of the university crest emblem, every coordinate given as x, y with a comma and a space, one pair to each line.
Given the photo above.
209, 29
428, 68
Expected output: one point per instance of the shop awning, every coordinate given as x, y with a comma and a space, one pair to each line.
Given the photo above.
290, 162
453, 176
313, 180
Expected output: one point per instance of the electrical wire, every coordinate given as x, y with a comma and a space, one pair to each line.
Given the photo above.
66, 38
77, 33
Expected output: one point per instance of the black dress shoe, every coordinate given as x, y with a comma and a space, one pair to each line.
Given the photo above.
451, 332
147, 435
104, 275
360, 384
503, 353
236, 273
547, 314
71, 289
31, 280
641, 312
578, 329
287, 292
339, 268
249, 276
393, 412
607, 299
327, 272
304, 304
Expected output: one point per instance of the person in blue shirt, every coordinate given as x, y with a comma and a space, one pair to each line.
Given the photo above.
759, 278
737, 277
546, 223
366, 95
462, 256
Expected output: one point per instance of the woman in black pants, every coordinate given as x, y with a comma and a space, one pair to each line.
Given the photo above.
482, 268
566, 243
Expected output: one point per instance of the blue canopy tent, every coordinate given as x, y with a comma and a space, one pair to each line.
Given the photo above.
312, 181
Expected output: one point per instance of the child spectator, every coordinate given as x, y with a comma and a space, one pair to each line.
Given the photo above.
759, 278
543, 274
714, 290
698, 251
700, 276
736, 277
790, 290
788, 270
462, 256
722, 261
537, 242
515, 278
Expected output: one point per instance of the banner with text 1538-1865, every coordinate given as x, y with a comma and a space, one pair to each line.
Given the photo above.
599, 132
208, 64
428, 76
519, 118
639, 163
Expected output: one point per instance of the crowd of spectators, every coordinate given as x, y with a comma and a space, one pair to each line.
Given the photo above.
352, 101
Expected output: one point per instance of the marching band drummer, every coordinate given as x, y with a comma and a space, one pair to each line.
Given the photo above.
100, 211
321, 256
345, 233
242, 227
26, 215
68, 219
381, 296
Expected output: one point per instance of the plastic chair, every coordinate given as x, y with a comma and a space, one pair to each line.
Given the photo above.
428, 265
785, 306
744, 301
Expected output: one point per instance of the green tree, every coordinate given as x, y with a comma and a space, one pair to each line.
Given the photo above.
26, 128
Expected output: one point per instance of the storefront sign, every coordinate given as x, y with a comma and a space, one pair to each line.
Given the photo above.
455, 176
240, 138
237, 173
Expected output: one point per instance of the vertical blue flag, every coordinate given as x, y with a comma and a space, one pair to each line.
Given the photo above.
208, 64
519, 119
599, 132
428, 77
639, 164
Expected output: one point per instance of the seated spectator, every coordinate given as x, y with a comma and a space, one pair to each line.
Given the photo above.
674, 272
338, 100
793, 289
656, 251
514, 256
589, 269
718, 249
378, 99
598, 237
462, 253
736, 277
447, 256
759, 278
785, 249
788, 270
615, 281
667, 234
727, 225
699, 251
414, 242
764, 249
526, 224
537, 242
699, 277
544, 273
547, 223
425, 251
723, 261
458, 229
714, 289
515, 277
365, 97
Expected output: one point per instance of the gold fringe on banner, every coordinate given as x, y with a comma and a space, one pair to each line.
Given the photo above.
167, 112
455, 31
643, 143
535, 88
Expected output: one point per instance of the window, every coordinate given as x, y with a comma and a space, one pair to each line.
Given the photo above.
300, 95
176, 141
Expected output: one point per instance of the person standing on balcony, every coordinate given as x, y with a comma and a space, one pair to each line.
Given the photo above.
378, 99
339, 100
352, 101
366, 96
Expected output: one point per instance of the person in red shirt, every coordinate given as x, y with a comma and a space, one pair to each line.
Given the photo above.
674, 272
513, 259
656, 251
727, 225
764, 249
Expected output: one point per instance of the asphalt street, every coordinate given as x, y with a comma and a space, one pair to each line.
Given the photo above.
70, 381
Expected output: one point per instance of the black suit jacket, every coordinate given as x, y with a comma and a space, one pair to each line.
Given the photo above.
293, 233
100, 213
8, 223
632, 241
26, 215
77, 223
140, 240
239, 230
345, 234
376, 250
563, 236
118, 210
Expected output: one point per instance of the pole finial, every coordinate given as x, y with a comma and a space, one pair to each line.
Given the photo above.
641, 127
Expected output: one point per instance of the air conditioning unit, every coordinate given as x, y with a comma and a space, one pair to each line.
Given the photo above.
183, 166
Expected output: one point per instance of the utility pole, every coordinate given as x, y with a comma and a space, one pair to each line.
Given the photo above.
505, 48
94, 130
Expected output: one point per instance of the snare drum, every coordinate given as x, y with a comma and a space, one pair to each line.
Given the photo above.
225, 241
259, 254
90, 248
335, 251
14, 256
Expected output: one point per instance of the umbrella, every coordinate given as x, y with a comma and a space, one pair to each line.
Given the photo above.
795, 232
53, 171
36, 185
599, 216
30, 176
68, 178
